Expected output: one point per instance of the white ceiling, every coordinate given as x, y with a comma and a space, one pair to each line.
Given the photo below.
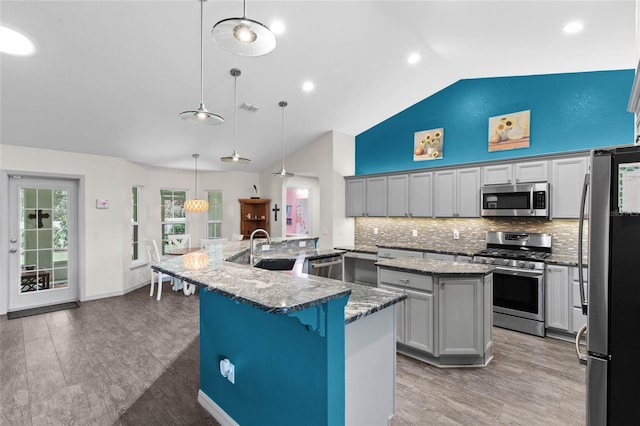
111, 77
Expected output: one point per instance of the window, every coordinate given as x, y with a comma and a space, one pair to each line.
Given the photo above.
136, 193
172, 213
214, 216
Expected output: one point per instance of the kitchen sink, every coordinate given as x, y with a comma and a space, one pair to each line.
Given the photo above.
276, 264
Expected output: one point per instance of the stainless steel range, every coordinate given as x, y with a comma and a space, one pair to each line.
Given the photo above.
518, 280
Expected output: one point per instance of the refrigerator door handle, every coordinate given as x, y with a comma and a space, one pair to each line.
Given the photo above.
583, 201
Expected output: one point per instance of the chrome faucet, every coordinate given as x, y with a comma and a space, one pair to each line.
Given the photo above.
251, 242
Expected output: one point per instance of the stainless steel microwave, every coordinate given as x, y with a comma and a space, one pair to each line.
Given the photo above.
523, 199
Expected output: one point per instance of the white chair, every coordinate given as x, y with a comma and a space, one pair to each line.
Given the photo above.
153, 254
206, 242
237, 237
178, 241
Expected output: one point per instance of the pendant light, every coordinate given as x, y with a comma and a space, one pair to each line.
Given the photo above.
235, 157
196, 205
244, 36
283, 172
201, 115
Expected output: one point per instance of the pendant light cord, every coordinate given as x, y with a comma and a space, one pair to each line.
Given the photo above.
201, 54
196, 179
235, 112
244, 8
283, 136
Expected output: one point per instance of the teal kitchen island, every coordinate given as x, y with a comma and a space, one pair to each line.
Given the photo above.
289, 349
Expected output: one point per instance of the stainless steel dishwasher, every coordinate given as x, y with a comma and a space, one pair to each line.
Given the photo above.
328, 267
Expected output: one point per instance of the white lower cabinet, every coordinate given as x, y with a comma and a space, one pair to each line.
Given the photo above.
460, 316
419, 320
557, 297
444, 320
563, 310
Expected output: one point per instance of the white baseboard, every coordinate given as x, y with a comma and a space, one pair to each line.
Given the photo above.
214, 409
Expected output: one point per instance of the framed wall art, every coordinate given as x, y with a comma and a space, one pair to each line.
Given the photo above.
509, 131
428, 144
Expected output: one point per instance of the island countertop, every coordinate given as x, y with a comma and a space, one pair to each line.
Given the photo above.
276, 292
436, 267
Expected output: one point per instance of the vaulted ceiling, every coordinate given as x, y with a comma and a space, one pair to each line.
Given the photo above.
111, 77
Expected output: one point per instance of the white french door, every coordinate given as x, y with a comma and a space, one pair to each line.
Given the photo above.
43, 242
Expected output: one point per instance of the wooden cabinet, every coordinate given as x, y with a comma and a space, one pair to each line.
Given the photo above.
457, 193
511, 173
566, 186
421, 194
460, 316
254, 214
398, 195
366, 196
557, 297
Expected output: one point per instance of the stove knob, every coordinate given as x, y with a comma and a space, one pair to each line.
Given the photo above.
521, 263
531, 265
505, 261
491, 261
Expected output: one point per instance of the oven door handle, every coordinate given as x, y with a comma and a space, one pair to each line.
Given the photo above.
520, 272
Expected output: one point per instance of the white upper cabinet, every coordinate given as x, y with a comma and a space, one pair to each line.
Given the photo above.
366, 196
355, 192
376, 198
531, 171
457, 193
566, 186
421, 194
398, 195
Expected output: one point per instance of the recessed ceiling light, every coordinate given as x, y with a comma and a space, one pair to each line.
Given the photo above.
308, 86
277, 27
413, 58
573, 27
15, 43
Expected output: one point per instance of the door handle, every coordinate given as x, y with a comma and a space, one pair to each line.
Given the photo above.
13, 250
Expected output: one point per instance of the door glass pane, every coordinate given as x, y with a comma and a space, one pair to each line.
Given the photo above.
43, 239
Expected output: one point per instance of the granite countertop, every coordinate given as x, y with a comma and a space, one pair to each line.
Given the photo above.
359, 248
436, 267
467, 251
564, 260
274, 291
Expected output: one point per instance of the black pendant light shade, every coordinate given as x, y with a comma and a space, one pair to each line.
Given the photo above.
201, 115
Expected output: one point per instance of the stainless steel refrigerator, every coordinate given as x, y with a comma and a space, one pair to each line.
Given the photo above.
613, 287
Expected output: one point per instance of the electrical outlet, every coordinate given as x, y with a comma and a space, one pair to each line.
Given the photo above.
415, 232
456, 234
375, 231
302, 244
265, 247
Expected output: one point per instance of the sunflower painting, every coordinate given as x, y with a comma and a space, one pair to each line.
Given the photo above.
428, 144
509, 131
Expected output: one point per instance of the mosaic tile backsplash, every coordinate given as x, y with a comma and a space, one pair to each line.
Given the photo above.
438, 233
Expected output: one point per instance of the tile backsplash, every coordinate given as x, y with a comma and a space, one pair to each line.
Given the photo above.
438, 233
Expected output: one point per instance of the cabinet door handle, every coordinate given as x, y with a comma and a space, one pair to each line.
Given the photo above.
404, 281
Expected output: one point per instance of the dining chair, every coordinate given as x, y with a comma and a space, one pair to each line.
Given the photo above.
177, 241
153, 254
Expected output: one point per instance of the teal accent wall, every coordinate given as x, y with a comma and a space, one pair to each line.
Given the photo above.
569, 112
287, 373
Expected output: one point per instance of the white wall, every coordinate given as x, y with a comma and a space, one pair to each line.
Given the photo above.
105, 256
329, 159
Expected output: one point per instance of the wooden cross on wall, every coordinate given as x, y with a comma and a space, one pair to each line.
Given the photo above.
40, 216
276, 210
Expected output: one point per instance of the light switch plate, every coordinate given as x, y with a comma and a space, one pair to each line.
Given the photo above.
415, 232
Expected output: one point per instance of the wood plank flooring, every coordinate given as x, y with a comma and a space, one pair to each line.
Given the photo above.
130, 360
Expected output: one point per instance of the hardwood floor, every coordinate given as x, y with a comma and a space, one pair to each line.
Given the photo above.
133, 361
